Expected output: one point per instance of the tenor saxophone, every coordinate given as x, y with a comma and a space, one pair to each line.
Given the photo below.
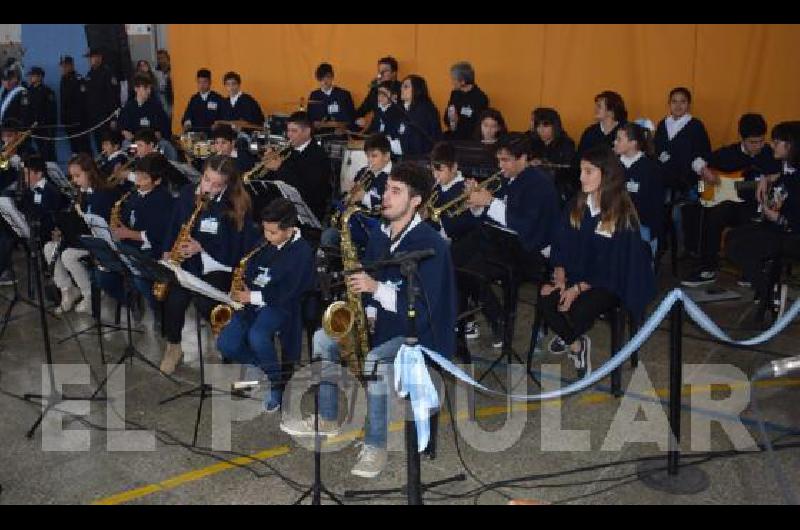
160, 288
345, 320
222, 313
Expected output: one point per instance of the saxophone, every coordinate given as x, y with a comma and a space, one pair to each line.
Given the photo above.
115, 219
362, 185
222, 313
345, 320
160, 288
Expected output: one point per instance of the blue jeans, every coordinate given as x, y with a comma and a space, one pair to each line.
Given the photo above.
249, 339
377, 427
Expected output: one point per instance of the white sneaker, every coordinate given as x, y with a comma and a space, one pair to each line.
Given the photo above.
371, 461
69, 296
85, 305
305, 426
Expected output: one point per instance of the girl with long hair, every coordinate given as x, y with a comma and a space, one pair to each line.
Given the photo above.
599, 259
420, 127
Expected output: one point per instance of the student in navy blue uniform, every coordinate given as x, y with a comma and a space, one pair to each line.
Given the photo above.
550, 144
112, 157
144, 214
328, 102
387, 71
407, 190
450, 184
751, 245
610, 113
681, 142
276, 277
223, 232
420, 126
204, 107
43, 110
227, 143
144, 110
102, 95
307, 167
238, 105
643, 179
14, 99
599, 258
72, 95
10, 130
379, 166
467, 102
40, 200
754, 159
491, 127
70, 273
519, 220
387, 117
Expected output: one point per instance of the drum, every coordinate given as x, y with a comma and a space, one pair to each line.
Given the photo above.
354, 160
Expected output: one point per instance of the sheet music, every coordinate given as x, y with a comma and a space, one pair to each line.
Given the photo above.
14, 218
304, 213
196, 285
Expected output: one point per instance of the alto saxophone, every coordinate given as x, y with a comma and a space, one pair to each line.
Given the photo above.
345, 320
222, 313
115, 219
160, 288
362, 185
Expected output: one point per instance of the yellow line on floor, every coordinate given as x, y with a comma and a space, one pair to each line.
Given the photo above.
197, 474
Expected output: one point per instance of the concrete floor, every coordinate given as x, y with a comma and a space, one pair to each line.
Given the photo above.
31, 473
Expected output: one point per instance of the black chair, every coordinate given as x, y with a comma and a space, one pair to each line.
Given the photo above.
616, 323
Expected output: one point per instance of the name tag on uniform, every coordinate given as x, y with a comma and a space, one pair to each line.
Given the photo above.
663, 157
333, 108
144, 122
633, 186
402, 128
383, 126
37, 198
209, 226
132, 218
466, 111
263, 277
132, 176
211, 105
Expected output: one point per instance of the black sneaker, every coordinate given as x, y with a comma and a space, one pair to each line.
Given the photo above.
700, 278
583, 358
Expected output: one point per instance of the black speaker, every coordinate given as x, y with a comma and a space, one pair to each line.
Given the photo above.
113, 40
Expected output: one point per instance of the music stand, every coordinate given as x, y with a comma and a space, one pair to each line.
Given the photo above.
113, 260
16, 221
204, 389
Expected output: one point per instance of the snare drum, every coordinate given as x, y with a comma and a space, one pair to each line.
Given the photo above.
354, 160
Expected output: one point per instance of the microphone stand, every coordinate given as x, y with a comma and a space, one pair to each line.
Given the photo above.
414, 487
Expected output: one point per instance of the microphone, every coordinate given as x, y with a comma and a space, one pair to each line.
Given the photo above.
779, 368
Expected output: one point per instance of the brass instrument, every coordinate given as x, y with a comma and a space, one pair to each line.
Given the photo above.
115, 219
10, 149
270, 156
361, 185
222, 313
459, 205
159, 288
120, 175
345, 320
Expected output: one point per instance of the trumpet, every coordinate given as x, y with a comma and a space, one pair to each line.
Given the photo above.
457, 206
257, 170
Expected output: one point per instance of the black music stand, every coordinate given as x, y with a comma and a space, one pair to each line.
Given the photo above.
414, 487
118, 261
202, 390
73, 228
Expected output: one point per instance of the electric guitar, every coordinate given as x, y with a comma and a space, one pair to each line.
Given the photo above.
728, 188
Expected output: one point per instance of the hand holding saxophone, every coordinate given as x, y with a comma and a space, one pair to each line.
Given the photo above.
361, 282
123, 232
189, 248
242, 296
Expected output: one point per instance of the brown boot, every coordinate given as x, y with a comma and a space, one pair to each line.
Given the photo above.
172, 356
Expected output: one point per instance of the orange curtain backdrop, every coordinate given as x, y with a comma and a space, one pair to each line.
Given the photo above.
730, 69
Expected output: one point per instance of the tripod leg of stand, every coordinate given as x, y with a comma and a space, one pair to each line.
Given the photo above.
99, 321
